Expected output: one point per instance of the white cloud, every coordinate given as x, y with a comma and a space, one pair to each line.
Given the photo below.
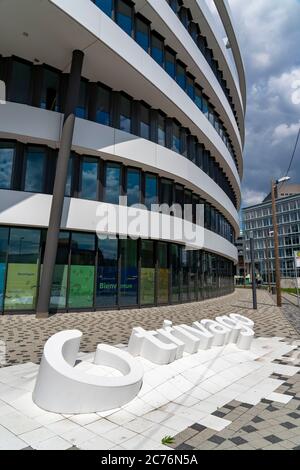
284, 131
252, 197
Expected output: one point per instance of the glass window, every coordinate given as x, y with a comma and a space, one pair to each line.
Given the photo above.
211, 115
124, 16
106, 6
161, 130
125, 114
176, 137
107, 273
166, 192
142, 33
129, 273
7, 153
175, 5
112, 183
133, 186
179, 199
190, 87
188, 209
82, 271
185, 275
58, 299
89, 179
50, 90
205, 106
198, 97
4, 232
80, 111
20, 82
35, 159
162, 273
184, 15
202, 44
170, 62
103, 106
181, 75
150, 191
175, 259
147, 273
145, 122
22, 269
157, 48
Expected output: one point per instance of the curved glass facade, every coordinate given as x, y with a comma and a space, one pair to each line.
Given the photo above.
116, 109
93, 274
95, 179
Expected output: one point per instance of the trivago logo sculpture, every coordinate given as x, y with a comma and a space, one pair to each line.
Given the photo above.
168, 343
61, 387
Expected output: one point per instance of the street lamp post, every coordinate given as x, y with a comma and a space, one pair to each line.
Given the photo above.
276, 243
254, 295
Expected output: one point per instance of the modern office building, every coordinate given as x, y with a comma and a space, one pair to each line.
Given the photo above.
109, 98
240, 245
257, 221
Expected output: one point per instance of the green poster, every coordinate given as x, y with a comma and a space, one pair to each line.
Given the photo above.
163, 285
21, 286
81, 291
59, 286
147, 285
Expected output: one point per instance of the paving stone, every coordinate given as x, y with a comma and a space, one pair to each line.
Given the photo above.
288, 425
274, 439
216, 439
249, 429
238, 440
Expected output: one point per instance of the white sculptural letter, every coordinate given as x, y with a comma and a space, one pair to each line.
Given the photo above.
60, 388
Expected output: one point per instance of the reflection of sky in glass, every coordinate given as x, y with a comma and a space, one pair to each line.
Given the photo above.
112, 184
150, 191
23, 241
6, 162
34, 177
133, 187
124, 19
145, 130
125, 123
105, 5
89, 176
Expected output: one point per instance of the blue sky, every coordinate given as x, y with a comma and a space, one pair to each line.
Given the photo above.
269, 36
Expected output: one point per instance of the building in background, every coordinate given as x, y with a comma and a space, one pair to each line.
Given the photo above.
159, 119
258, 220
240, 267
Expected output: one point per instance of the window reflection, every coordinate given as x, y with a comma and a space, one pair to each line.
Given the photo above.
133, 186
35, 160
7, 153
124, 16
103, 106
89, 178
112, 183
50, 90
125, 114
150, 191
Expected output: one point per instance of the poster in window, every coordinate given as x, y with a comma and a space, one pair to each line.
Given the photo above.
147, 285
81, 293
21, 286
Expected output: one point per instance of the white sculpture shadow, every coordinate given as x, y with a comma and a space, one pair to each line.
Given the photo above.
62, 388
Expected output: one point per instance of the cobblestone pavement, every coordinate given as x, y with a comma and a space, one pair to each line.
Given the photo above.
291, 310
24, 335
270, 425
